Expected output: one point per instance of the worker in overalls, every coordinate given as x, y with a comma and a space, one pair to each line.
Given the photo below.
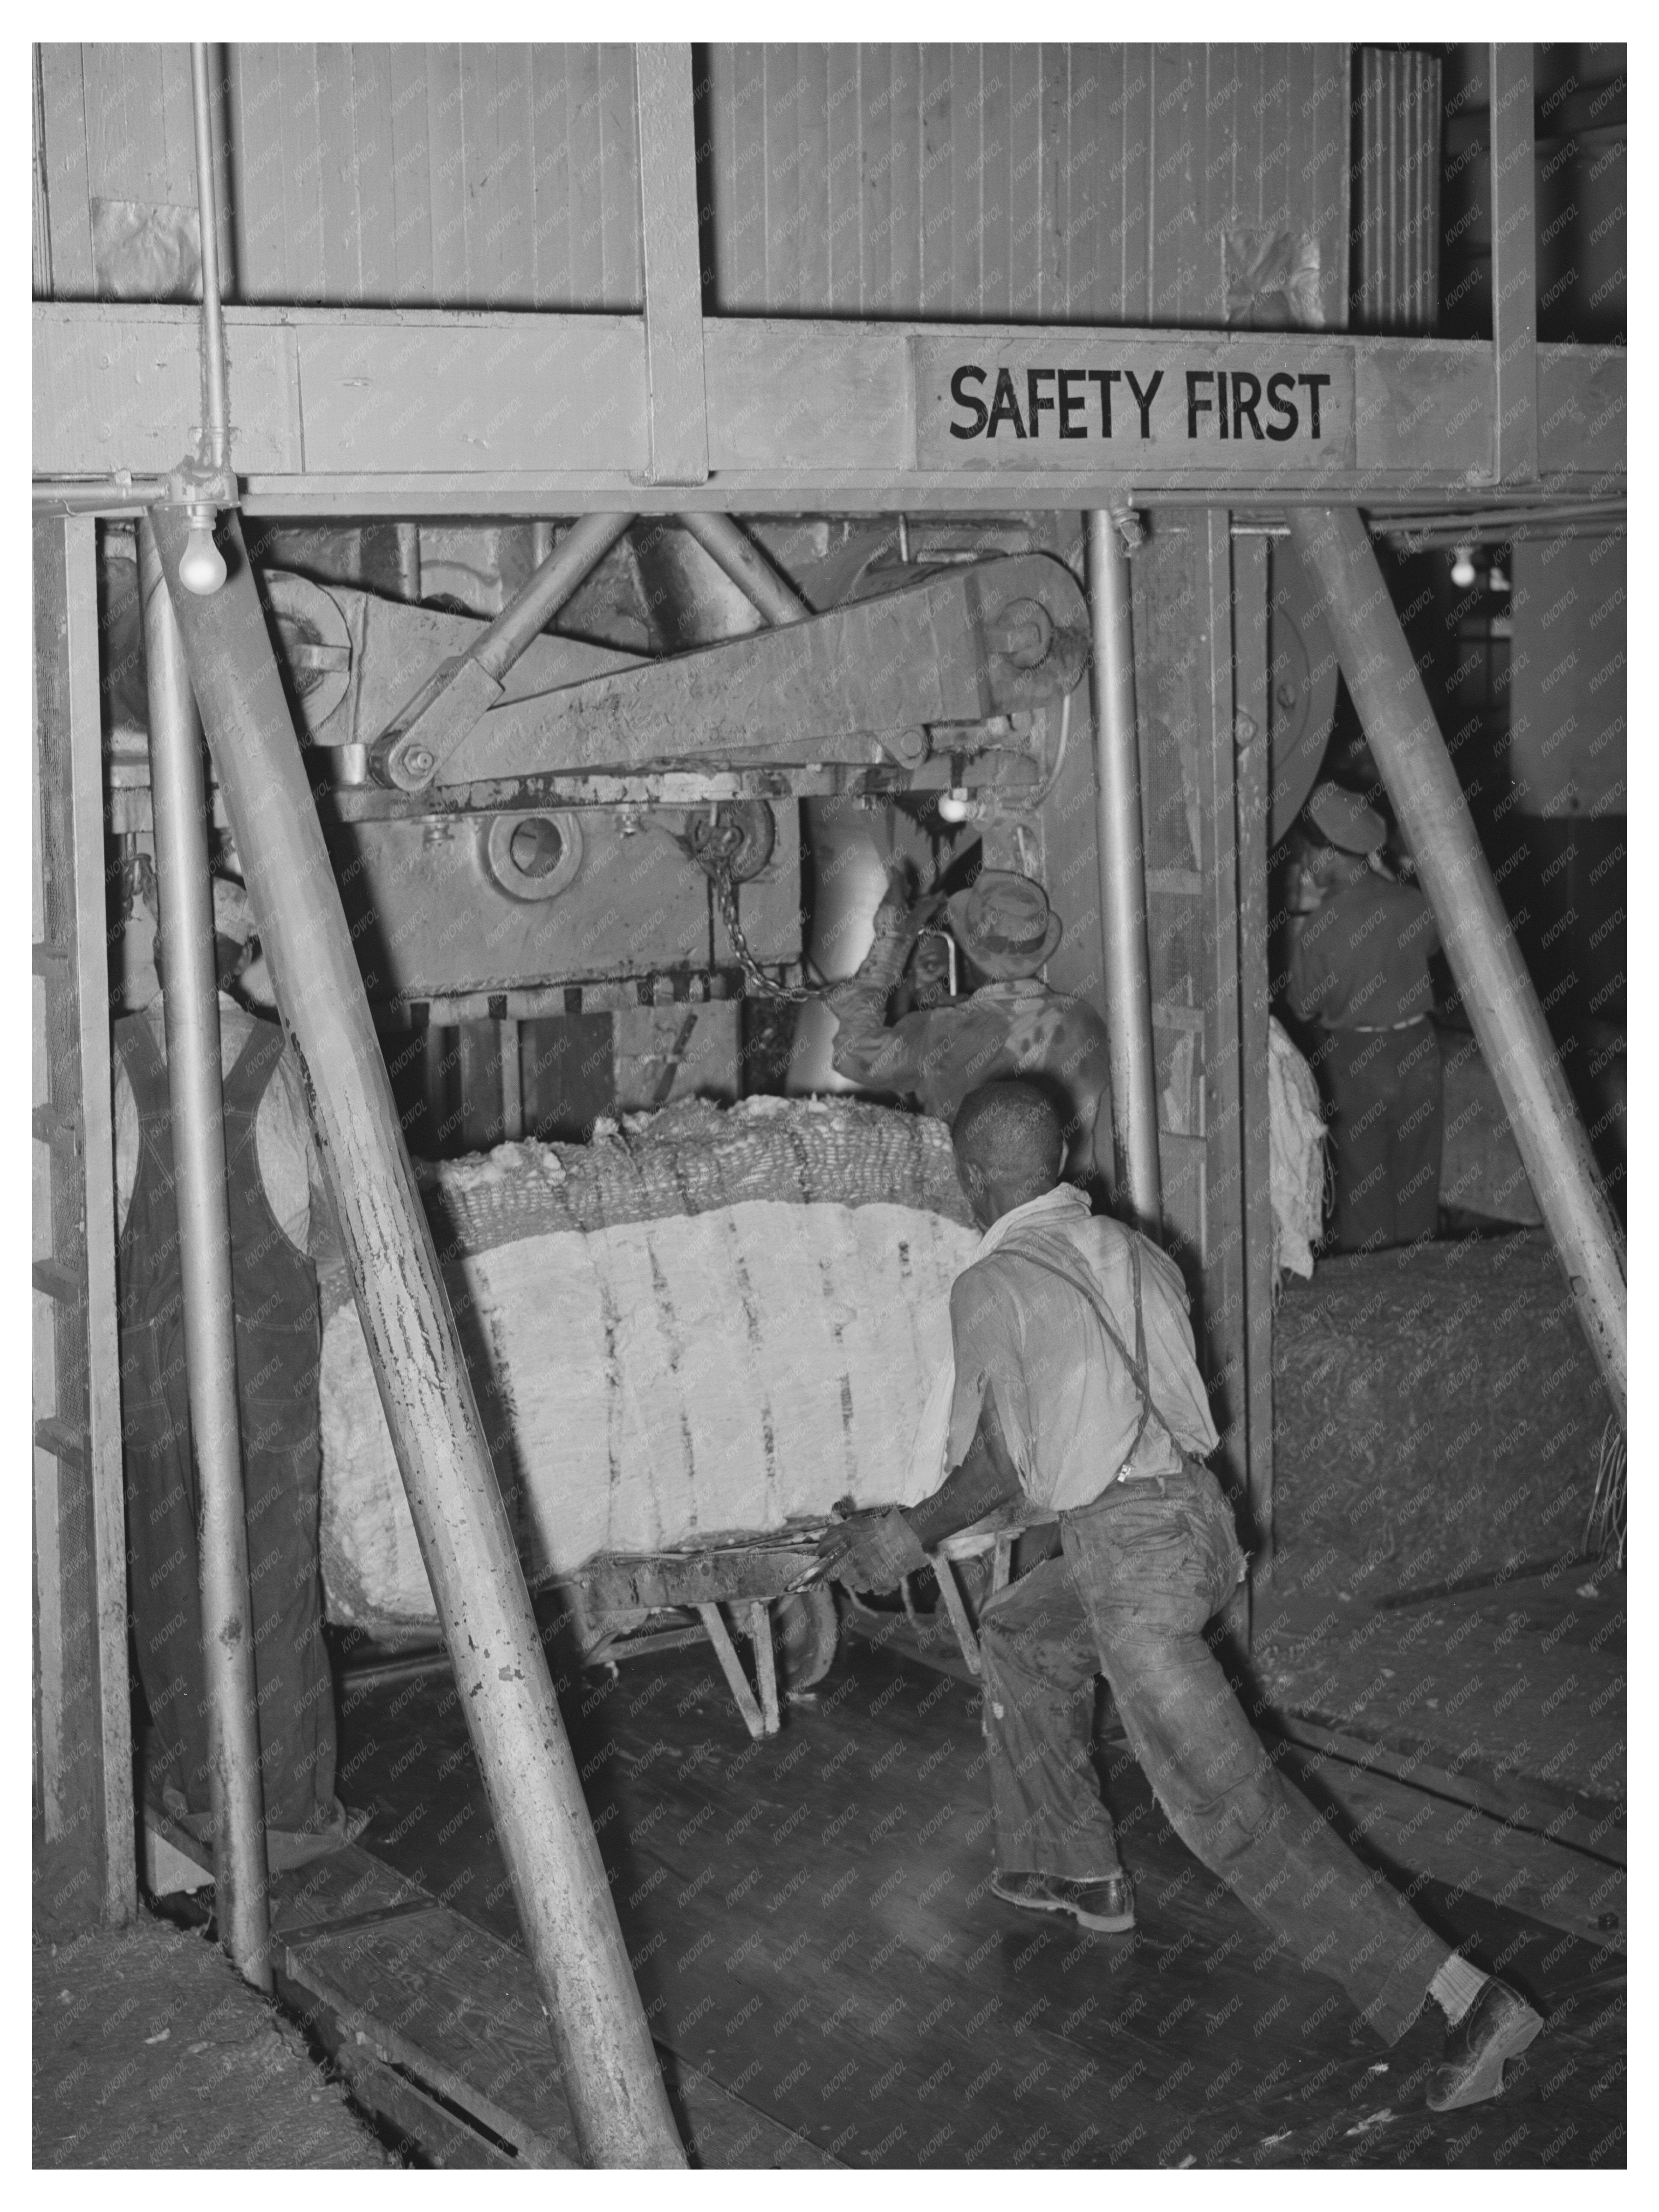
1008, 1023
1075, 1386
278, 1216
1359, 944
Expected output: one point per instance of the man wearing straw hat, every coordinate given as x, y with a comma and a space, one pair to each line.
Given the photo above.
1012, 1024
278, 1219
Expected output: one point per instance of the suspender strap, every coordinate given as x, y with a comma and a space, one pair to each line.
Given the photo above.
1084, 1284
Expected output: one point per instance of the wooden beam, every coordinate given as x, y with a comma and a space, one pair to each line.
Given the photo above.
104, 1454
1224, 1238
1251, 713
1514, 267
85, 1867
385, 412
673, 269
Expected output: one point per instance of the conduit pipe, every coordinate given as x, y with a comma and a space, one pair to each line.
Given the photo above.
57, 495
216, 383
524, 617
196, 1096
565, 1908
1514, 1037
1121, 858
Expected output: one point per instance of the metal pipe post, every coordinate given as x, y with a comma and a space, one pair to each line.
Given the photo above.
748, 568
1121, 862
597, 2024
216, 389
1509, 1023
521, 620
195, 1091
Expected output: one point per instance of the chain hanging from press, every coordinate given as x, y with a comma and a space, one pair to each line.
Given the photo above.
726, 896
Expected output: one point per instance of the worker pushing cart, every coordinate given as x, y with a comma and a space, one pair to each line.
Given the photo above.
1075, 1384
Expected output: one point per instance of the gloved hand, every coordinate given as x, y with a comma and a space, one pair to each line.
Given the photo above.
873, 1550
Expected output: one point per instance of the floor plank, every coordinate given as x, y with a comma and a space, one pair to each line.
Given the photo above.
810, 1923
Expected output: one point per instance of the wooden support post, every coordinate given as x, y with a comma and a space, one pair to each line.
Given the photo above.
737, 1681
1251, 713
1479, 940
766, 1663
85, 1855
1514, 267
507, 1034
673, 267
565, 1907
949, 1590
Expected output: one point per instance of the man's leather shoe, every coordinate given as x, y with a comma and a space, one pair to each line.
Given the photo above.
1108, 1904
1498, 2025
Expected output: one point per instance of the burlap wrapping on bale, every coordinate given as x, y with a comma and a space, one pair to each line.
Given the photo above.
705, 1321
1437, 1414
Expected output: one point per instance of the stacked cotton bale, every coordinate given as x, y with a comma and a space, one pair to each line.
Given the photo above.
704, 1322
1436, 1415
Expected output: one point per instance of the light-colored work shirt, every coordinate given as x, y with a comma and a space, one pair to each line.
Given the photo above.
282, 1134
1069, 1402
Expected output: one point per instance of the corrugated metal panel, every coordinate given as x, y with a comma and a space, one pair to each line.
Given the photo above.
475, 176
1034, 183
1397, 160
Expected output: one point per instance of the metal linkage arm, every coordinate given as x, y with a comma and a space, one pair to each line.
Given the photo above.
852, 684
427, 729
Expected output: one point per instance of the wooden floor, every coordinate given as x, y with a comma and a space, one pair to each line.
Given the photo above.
811, 1927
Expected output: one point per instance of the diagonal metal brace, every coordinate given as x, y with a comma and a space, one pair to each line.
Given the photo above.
426, 731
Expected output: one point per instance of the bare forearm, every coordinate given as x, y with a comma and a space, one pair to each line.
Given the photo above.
985, 1478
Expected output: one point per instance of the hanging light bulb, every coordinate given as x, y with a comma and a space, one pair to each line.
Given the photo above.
1463, 567
955, 804
202, 565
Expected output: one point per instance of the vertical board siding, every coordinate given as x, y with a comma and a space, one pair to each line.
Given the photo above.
1034, 183
1019, 183
451, 176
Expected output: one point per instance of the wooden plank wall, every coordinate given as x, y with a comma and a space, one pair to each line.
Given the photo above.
465, 176
1021, 183
1034, 183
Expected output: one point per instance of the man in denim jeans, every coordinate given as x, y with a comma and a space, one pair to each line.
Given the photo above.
1075, 1386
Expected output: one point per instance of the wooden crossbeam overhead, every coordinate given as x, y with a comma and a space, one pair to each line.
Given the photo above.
367, 411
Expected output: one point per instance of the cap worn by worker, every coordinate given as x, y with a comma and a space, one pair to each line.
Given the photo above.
1004, 924
1344, 820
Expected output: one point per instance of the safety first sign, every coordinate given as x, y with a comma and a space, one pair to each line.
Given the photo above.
1267, 405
